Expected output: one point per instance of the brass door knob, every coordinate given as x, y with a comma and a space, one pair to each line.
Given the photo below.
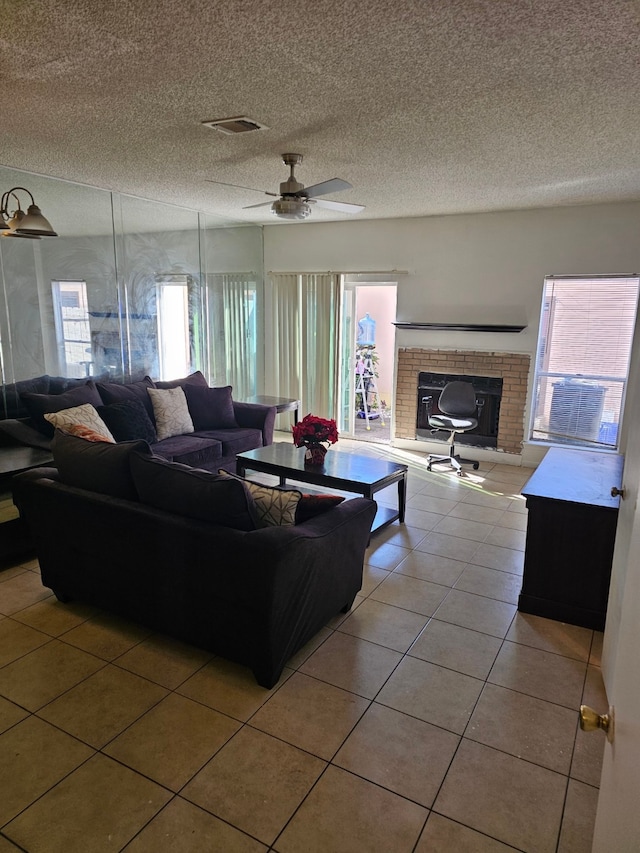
590, 721
617, 493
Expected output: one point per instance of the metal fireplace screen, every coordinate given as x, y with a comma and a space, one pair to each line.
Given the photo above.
488, 394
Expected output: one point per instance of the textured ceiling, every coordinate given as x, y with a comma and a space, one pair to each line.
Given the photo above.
425, 106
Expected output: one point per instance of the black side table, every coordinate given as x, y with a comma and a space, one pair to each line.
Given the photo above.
15, 542
282, 404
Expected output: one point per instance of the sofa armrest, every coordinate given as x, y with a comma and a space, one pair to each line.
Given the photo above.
256, 416
19, 431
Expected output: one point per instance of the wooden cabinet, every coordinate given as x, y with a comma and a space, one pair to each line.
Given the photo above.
570, 536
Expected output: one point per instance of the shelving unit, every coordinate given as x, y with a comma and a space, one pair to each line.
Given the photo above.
367, 387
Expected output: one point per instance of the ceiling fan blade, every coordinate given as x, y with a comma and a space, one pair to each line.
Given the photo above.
239, 187
342, 206
333, 185
262, 204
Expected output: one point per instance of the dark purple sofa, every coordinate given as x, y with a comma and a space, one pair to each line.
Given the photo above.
240, 427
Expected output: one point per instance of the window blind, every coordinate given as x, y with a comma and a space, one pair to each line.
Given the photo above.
582, 360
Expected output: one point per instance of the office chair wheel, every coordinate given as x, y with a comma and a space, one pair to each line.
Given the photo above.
476, 465
428, 467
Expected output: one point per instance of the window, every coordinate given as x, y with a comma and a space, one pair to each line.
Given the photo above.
71, 314
174, 351
582, 362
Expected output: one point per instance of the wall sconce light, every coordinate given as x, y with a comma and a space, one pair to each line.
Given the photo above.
17, 223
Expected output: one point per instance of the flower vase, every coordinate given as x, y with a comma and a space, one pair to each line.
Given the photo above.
314, 454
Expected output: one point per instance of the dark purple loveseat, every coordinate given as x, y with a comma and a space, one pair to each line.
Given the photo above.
198, 573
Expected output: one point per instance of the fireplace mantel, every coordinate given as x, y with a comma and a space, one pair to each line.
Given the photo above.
459, 327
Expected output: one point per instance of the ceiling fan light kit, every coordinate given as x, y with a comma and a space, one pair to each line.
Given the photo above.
291, 208
296, 200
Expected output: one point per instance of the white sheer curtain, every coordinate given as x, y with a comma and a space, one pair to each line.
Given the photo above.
282, 342
319, 335
302, 346
232, 301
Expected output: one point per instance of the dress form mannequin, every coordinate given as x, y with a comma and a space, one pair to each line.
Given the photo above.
367, 331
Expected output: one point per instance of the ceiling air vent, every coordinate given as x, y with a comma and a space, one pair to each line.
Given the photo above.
239, 124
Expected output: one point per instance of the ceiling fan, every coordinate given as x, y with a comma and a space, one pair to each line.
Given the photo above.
295, 200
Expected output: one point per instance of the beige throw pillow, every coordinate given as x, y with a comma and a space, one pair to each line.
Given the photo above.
171, 412
273, 507
85, 415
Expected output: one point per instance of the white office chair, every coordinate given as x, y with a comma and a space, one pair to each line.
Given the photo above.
459, 411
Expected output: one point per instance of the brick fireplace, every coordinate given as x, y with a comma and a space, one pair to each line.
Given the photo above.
512, 368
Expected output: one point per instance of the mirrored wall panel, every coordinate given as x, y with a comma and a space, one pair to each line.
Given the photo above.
128, 288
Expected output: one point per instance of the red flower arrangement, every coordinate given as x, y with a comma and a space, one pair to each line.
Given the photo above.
312, 430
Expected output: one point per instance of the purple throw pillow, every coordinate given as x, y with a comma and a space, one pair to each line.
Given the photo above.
210, 408
96, 465
190, 492
38, 405
11, 404
115, 392
196, 378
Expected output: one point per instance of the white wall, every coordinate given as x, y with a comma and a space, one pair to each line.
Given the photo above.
479, 268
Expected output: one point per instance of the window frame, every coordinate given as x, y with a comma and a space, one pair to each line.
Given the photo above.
65, 365
609, 433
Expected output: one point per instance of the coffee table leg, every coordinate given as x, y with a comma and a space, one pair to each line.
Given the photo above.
402, 497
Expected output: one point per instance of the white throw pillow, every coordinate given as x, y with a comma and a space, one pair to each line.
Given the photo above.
85, 415
171, 412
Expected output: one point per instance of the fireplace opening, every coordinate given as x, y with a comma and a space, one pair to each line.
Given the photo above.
488, 395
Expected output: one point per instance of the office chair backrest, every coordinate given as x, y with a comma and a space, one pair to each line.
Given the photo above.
458, 399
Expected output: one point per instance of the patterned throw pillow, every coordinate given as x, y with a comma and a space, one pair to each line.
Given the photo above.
82, 431
85, 415
171, 412
273, 507
128, 421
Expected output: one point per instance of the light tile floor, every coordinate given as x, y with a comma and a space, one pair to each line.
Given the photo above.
434, 718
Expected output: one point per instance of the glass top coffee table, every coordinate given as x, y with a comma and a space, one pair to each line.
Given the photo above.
348, 472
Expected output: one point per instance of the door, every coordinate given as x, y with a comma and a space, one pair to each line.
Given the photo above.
366, 296
618, 816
